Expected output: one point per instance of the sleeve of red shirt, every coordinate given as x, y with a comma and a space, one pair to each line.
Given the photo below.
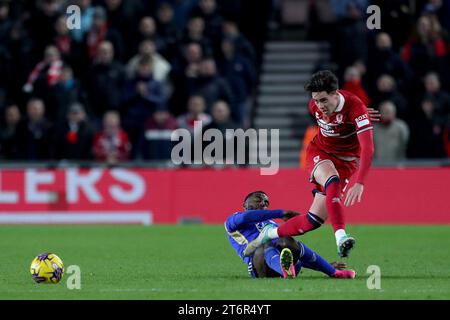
367, 150
364, 131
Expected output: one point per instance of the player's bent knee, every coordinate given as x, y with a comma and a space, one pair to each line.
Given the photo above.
324, 171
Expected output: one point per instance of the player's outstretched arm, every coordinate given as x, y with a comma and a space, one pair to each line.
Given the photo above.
367, 150
254, 216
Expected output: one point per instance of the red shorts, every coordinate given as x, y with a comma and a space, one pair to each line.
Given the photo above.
345, 168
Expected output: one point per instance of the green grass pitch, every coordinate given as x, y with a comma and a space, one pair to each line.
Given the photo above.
196, 262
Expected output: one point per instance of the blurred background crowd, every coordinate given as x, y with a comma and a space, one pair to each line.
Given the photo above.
132, 73
114, 89
403, 70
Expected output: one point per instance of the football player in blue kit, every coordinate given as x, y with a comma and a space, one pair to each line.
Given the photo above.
283, 257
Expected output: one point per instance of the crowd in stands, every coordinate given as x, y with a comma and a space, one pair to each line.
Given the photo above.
114, 88
402, 69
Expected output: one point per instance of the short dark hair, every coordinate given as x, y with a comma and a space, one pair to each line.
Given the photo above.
264, 200
324, 80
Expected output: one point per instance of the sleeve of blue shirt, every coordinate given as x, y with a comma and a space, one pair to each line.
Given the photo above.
237, 220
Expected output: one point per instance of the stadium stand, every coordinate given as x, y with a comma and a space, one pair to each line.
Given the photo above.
150, 62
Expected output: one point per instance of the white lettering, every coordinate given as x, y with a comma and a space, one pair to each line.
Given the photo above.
32, 179
86, 182
138, 186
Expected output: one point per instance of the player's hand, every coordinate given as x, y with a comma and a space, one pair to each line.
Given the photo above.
339, 265
354, 194
288, 214
374, 115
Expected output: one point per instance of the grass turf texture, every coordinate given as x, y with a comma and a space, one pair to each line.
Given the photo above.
196, 262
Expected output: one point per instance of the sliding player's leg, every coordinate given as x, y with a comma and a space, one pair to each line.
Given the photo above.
277, 260
289, 255
326, 175
312, 260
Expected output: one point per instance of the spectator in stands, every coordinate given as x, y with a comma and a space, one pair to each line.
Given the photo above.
44, 79
221, 118
106, 80
73, 138
123, 16
240, 75
111, 145
100, 32
156, 142
63, 41
86, 18
196, 112
208, 11
441, 9
147, 31
440, 98
182, 11
209, 84
391, 135
45, 74
352, 83
34, 133
387, 90
6, 23
195, 33
243, 47
350, 42
384, 60
426, 48
426, 140
142, 96
67, 91
20, 61
168, 30
41, 23
187, 65
161, 67
8, 132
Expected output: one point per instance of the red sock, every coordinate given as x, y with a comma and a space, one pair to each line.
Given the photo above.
299, 225
333, 200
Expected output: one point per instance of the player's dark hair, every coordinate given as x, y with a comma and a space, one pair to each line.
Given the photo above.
324, 80
261, 196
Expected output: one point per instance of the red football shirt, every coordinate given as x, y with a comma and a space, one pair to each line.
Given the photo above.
338, 132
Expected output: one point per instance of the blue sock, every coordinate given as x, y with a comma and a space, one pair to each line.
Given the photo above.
298, 267
313, 260
272, 258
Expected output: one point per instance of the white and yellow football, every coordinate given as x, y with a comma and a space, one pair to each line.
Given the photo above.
47, 268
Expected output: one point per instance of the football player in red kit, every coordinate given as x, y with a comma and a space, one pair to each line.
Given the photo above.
342, 147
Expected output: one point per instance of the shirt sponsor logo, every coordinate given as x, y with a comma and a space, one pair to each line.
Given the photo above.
362, 121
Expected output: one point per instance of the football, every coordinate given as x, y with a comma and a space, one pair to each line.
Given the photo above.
47, 268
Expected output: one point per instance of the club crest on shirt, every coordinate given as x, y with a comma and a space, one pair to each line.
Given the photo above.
339, 118
316, 159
